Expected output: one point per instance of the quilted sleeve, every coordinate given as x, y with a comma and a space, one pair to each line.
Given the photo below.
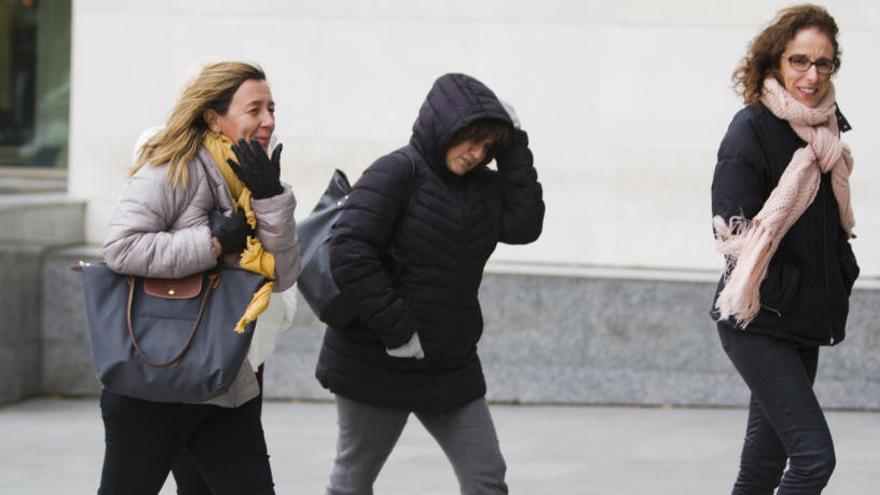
276, 230
140, 239
522, 217
357, 245
739, 184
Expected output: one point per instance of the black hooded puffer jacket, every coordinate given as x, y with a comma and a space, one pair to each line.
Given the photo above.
408, 253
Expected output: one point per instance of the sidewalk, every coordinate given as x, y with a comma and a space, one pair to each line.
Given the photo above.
56, 446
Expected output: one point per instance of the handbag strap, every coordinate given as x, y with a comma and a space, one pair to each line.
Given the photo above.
213, 282
411, 183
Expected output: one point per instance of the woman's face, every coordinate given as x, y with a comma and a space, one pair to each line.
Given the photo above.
464, 156
251, 114
807, 86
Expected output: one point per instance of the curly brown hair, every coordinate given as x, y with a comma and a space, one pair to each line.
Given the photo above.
765, 50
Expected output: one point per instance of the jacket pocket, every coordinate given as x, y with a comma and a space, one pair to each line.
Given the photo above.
780, 286
849, 268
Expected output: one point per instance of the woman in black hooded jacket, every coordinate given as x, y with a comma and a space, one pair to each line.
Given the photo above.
408, 253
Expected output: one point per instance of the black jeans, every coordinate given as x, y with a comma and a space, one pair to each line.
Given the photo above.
189, 479
144, 438
786, 422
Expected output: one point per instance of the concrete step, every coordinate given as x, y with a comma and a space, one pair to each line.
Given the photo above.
26, 180
42, 218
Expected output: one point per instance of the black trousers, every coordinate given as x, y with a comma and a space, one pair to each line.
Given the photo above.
144, 438
187, 476
786, 422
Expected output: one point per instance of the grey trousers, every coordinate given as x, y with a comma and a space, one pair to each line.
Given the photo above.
367, 434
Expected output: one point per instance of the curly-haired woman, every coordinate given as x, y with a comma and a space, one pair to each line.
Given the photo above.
783, 220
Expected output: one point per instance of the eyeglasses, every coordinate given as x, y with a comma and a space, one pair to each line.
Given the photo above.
802, 63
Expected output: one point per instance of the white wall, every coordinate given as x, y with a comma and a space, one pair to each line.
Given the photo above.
625, 102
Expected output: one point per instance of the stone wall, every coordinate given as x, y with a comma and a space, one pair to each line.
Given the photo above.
31, 225
606, 339
598, 338
67, 362
20, 323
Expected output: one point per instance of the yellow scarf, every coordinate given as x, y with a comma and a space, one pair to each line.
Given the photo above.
254, 258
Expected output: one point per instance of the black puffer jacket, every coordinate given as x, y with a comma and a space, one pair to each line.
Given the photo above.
805, 297
408, 253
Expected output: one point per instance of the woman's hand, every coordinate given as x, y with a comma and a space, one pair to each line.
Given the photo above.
230, 233
259, 173
412, 349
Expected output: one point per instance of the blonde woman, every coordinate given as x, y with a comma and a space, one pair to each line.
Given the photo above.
184, 208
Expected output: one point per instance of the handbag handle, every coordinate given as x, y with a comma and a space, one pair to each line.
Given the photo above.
213, 282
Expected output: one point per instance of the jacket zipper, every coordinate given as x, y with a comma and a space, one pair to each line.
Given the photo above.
825, 268
772, 310
459, 192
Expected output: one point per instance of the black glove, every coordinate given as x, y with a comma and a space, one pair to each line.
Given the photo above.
231, 232
259, 173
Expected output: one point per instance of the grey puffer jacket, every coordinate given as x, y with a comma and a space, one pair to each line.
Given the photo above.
157, 230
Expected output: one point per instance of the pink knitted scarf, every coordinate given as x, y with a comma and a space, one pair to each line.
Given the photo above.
748, 245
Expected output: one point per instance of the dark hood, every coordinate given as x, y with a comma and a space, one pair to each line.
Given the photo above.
453, 102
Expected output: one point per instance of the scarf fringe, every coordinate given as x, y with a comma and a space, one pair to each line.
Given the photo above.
749, 248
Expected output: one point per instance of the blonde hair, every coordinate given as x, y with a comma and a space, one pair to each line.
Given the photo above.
178, 143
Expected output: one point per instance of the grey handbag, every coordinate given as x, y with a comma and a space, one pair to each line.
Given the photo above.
315, 282
168, 340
